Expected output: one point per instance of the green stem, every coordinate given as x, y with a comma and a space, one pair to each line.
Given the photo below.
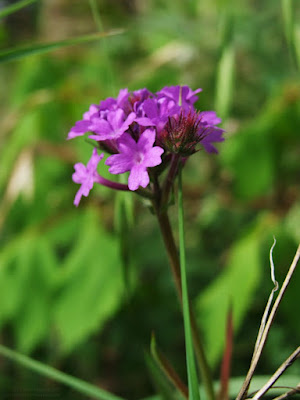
169, 181
172, 252
190, 358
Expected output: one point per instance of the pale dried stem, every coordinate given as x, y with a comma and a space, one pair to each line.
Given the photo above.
267, 309
288, 394
284, 366
264, 336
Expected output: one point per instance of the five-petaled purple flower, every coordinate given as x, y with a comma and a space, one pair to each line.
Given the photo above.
135, 157
86, 175
136, 129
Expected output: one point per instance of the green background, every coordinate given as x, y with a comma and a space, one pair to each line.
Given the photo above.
82, 289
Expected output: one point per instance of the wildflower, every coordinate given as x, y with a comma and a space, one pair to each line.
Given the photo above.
141, 130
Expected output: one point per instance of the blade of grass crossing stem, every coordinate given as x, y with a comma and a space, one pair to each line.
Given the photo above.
190, 358
24, 51
15, 7
58, 376
225, 69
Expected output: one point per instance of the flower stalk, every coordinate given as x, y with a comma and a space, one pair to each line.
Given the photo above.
172, 252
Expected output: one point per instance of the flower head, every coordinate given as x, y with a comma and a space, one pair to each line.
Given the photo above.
136, 128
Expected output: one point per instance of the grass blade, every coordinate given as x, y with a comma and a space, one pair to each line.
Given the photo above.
15, 7
225, 71
190, 358
58, 376
166, 367
290, 29
24, 51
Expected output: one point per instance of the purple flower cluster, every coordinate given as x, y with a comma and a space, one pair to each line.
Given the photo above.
141, 130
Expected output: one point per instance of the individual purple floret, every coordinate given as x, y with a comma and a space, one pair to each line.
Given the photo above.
86, 175
157, 112
112, 128
136, 157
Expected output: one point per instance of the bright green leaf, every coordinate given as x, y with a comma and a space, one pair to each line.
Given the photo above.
235, 286
93, 287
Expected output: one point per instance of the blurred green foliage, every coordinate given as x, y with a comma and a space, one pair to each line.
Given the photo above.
63, 296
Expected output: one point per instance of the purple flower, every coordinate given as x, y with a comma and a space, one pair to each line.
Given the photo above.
136, 157
86, 175
127, 127
112, 128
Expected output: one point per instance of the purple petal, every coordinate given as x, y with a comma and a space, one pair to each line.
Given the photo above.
93, 110
146, 140
128, 121
101, 127
107, 104
79, 173
126, 144
79, 129
151, 108
210, 117
144, 121
119, 163
214, 136
138, 177
153, 157
116, 118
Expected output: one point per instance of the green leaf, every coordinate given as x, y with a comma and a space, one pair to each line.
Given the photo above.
15, 7
27, 283
24, 51
58, 376
93, 287
13, 274
33, 319
235, 286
